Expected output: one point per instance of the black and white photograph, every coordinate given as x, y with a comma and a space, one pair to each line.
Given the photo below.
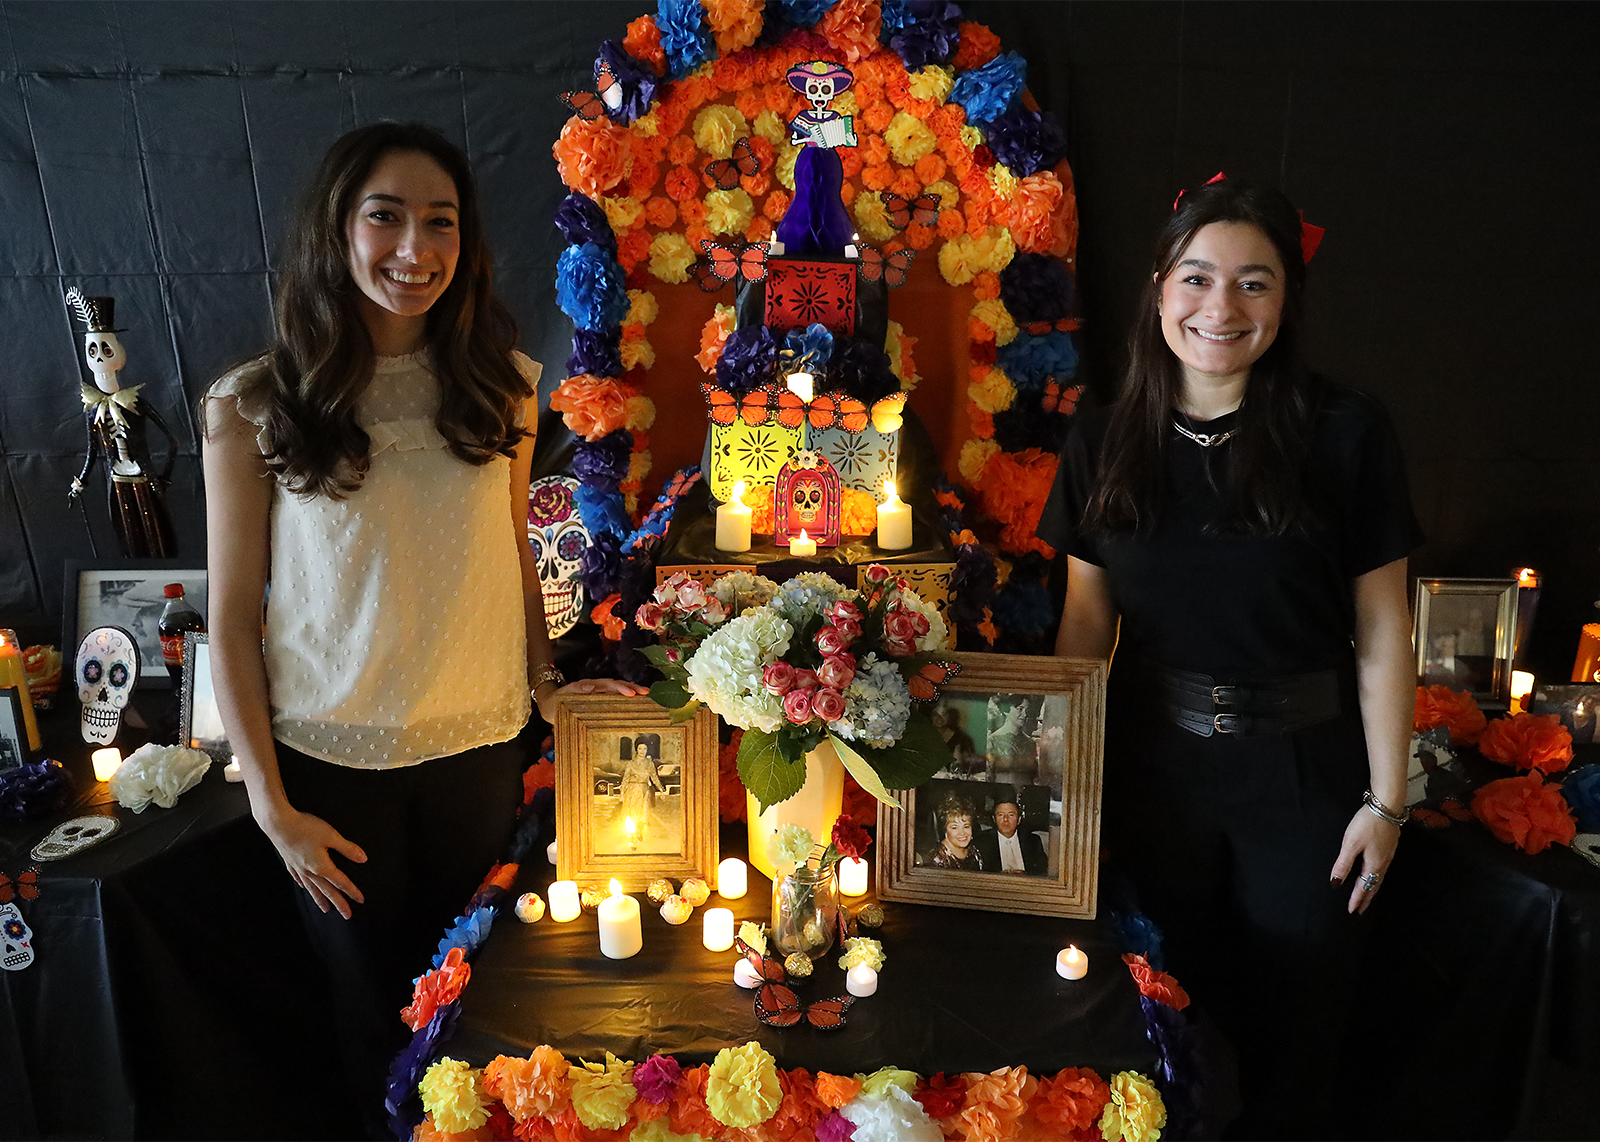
638, 795
13, 733
129, 596
1464, 631
200, 724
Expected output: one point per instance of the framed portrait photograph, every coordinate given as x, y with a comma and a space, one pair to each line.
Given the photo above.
636, 796
1013, 823
199, 721
1464, 632
127, 594
13, 731
1576, 704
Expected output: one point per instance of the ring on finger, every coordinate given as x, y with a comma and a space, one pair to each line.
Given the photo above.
1369, 881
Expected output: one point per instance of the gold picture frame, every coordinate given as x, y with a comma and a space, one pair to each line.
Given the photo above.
621, 759
1039, 751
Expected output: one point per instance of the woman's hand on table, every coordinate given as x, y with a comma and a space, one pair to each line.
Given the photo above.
1370, 841
304, 842
546, 695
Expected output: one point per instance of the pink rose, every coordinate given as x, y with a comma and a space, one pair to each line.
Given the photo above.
713, 612
899, 649
831, 641
900, 625
837, 670
650, 615
797, 706
877, 573
778, 678
828, 704
691, 595
805, 679
921, 622
850, 629
674, 654
844, 610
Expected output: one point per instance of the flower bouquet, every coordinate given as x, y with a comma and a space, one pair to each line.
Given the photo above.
799, 664
805, 901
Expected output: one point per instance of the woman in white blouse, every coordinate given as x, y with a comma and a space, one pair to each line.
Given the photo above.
373, 467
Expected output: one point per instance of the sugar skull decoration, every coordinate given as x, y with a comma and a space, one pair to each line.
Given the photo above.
559, 539
808, 498
74, 836
107, 670
819, 81
16, 939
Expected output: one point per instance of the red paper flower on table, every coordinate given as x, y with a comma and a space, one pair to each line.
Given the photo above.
1157, 985
501, 875
850, 838
643, 41
731, 802
800, 1110
978, 46
852, 27
996, 1103
539, 775
941, 1097
592, 156
1525, 811
1528, 741
1442, 706
1072, 1101
437, 988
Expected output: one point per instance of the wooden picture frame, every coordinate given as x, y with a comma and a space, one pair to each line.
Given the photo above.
677, 835
1041, 751
199, 720
1465, 632
126, 593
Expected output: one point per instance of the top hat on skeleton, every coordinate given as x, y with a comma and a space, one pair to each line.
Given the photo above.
98, 314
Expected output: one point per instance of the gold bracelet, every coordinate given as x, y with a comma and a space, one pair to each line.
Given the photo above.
548, 672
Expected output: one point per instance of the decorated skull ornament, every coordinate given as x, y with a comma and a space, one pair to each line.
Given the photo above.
107, 669
16, 939
74, 836
559, 539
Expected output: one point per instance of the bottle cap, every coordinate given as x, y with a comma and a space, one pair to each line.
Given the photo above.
173, 590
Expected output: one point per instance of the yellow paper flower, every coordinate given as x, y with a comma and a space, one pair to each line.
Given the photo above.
649, 124
643, 308
971, 137
784, 167
909, 138
670, 258
974, 456
717, 128
728, 211
872, 216
742, 1089
752, 935
994, 393
452, 1094
861, 950
949, 196
898, 344
638, 413
621, 212
771, 128
1003, 181
880, 1080
1135, 1112
993, 313
603, 1092
933, 83
845, 104
964, 257
638, 464
660, 1130
636, 352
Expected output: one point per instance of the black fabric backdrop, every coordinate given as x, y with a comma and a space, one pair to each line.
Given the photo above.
153, 150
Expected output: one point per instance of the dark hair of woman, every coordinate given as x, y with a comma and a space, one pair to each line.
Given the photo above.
1263, 469
322, 358
953, 805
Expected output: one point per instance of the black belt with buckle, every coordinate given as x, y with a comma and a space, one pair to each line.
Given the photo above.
1204, 706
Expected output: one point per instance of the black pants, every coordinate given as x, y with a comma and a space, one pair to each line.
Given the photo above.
1230, 841
430, 833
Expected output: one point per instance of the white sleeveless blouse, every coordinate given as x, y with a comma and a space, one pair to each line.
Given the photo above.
395, 616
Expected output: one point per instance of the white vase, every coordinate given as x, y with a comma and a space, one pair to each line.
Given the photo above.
816, 806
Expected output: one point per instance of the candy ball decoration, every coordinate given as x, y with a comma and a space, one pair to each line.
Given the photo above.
797, 964
870, 915
530, 908
658, 891
675, 909
695, 891
813, 936
591, 899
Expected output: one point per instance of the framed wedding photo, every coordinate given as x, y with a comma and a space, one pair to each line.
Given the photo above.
199, 721
1013, 823
1465, 632
636, 796
127, 593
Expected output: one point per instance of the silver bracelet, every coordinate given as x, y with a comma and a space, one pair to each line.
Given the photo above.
1370, 800
549, 672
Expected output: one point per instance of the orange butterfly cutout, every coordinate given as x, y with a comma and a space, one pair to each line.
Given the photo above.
26, 886
923, 209
776, 1003
889, 413
835, 410
743, 161
1057, 399
704, 278
875, 267
757, 407
930, 679
589, 105
729, 261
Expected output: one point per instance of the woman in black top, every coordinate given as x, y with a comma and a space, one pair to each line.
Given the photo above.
1237, 529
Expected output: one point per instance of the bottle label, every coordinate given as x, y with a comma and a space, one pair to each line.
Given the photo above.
172, 649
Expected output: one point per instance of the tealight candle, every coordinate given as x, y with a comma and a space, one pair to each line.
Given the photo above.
550, 852
1071, 963
853, 876
774, 248
894, 520
733, 879
862, 980
106, 762
745, 975
804, 386
1521, 690
631, 827
733, 522
620, 936
231, 771
718, 932
802, 544
564, 904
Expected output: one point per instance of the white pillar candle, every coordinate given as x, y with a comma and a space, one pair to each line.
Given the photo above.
718, 932
620, 936
564, 902
802, 544
862, 980
804, 386
1071, 963
733, 522
1521, 690
733, 879
106, 762
853, 876
745, 975
550, 851
894, 520
774, 248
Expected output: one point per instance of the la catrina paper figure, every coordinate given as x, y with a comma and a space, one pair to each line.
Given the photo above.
816, 222
114, 417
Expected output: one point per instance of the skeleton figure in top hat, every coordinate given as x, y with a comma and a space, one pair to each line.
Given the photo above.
113, 416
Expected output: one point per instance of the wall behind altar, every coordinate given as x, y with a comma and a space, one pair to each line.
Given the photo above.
152, 151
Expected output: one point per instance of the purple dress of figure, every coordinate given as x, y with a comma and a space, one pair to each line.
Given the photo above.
816, 222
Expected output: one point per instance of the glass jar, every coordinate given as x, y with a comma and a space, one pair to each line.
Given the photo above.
805, 911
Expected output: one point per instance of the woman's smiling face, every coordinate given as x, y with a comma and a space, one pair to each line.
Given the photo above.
404, 236
1221, 304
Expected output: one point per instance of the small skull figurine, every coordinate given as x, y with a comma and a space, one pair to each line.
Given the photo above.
74, 836
107, 669
102, 352
16, 939
559, 539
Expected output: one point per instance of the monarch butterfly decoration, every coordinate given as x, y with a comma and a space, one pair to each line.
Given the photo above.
923, 209
888, 414
764, 405
836, 410
742, 163
606, 96
874, 266
736, 259
704, 278
25, 887
777, 1005
927, 682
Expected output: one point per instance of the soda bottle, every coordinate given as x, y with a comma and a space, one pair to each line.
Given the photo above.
177, 618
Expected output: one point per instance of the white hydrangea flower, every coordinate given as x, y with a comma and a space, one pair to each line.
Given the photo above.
809, 594
876, 705
725, 673
892, 1116
740, 591
937, 630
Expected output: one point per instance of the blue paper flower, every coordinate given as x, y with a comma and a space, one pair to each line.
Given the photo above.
580, 220
1582, 791
530, 828
590, 287
931, 34
1031, 361
1177, 1072
468, 932
597, 352
635, 80
1025, 141
603, 464
1025, 425
601, 511
748, 358
806, 350
798, 13
684, 36
1037, 287
1141, 937
1023, 608
985, 92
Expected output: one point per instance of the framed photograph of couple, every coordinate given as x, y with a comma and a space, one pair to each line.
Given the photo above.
1013, 823
636, 796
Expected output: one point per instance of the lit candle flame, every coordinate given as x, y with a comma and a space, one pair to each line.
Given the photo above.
1527, 577
738, 498
803, 385
630, 826
803, 535
616, 886
889, 491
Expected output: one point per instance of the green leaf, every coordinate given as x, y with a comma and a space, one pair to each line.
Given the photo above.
766, 770
861, 770
684, 713
669, 694
918, 755
657, 655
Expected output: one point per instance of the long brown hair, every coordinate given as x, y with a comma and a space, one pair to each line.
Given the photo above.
322, 359
1264, 467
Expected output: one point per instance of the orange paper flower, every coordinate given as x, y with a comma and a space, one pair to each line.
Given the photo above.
995, 1104
836, 1090
776, 204
858, 512
539, 775
643, 41
660, 212
1015, 487
1157, 985
930, 168
877, 117
1442, 706
590, 406
1528, 741
593, 156
713, 335
689, 1114
603, 614
852, 27
683, 183
735, 23
436, 989
951, 223
1030, 210
1525, 811
1072, 1101
978, 46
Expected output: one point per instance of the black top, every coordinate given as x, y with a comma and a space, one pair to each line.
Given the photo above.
1243, 606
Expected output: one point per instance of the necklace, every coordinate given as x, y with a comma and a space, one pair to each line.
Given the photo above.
1206, 440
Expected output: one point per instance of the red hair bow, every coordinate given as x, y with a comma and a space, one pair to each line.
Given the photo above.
1310, 237
1218, 177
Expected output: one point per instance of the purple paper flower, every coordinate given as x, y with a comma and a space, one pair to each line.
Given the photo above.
597, 352
976, 575
400, 1099
33, 789
835, 1128
684, 36
799, 13
862, 370
580, 220
657, 1078
601, 564
1037, 287
748, 358
1032, 361
1582, 791
590, 288
1178, 1066
1025, 141
1025, 425
1023, 607
602, 464
635, 81
985, 92
930, 36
